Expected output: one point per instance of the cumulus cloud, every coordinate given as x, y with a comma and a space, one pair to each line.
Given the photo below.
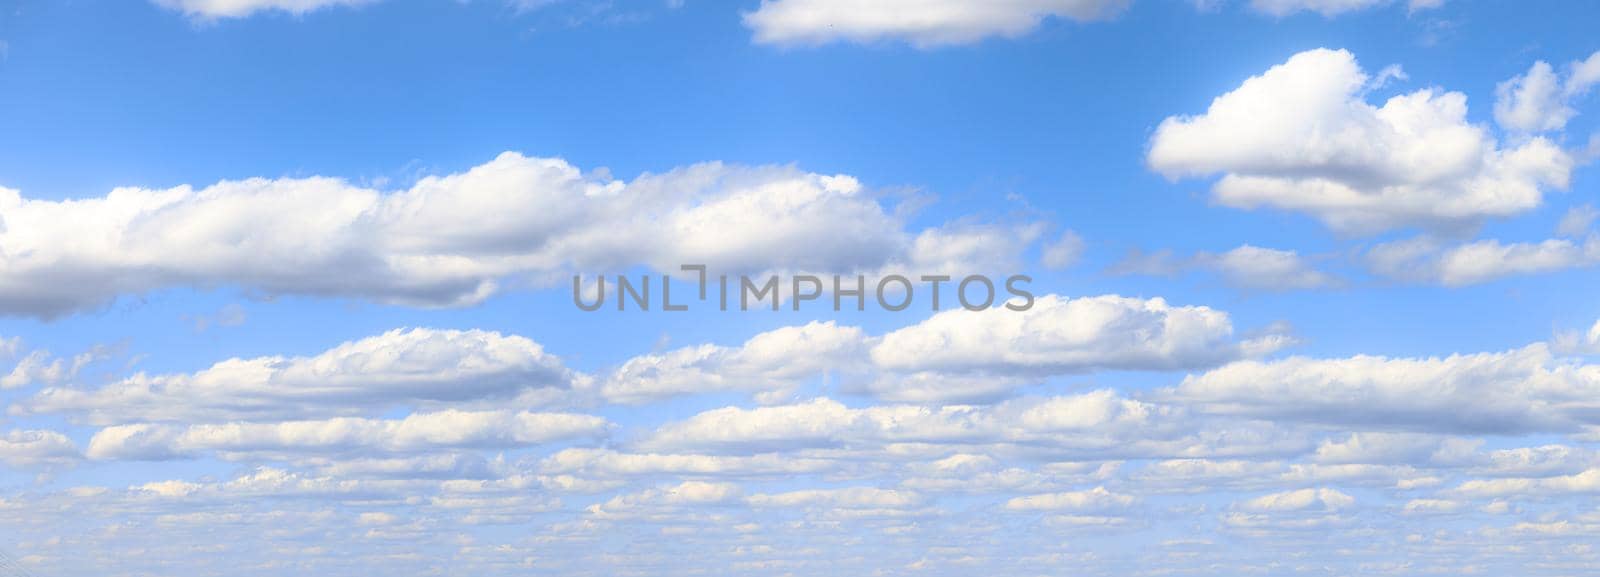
1096, 500
845, 498
347, 435
1370, 447
402, 367
606, 463
1518, 391
1570, 341
773, 362
452, 240
922, 23
1577, 221
1428, 260
1331, 8
1256, 268
1527, 487
1302, 137
1246, 268
210, 9
1064, 252
1100, 425
953, 354
949, 356
661, 502
28, 448
1300, 500
1540, 100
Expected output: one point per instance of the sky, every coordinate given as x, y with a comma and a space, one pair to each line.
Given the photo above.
286, 287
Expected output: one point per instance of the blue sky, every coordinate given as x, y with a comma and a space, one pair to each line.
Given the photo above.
254, 249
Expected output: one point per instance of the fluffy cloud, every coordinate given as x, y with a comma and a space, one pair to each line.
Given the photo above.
1331, 8
1093, 500
1301, 500
1396, 448
1100, 425
605, 463
241, 8
773, 362
1577, 221
1064, 252
845, 498
1518, 391
26, 448
397, 368
452, 240
953, 355
1585, 482
1540, 100
1302, 137
922, 23
348, 435
661, 502
1256, 268
1427, 260
1246, 267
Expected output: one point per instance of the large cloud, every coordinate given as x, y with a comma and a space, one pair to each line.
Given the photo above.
773, 362
962, 354
25, 448
1301, 136
1099, 425
1518, 391
1541, 100
451, 240
952, 355
1429, 260
920, 22
242, 8
346, 435
1330, 8
398, 368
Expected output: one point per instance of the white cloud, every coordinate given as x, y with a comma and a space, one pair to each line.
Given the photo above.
1395, 448
1432, 506
346, 435
1246, 267
1540, 100
846, 498
1543, 461
1426, 260
1096, 500
1098, 426
1331, 8
1587, 342
661, 501
1585, 482
605, 463
771, 362
953, 354
27, 448
1517, 391
1300, 500
1302, 137
453, 240
922, 23
398, 368
1256, 268
240, 8
1064, 252
950, 355
1577, 220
